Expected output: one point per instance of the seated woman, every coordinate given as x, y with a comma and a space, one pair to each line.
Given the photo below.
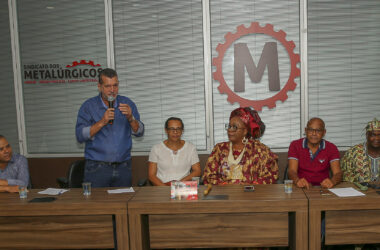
173, 158
243, 159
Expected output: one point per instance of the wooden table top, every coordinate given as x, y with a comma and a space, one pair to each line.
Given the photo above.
329, 201
70, 202
264, 198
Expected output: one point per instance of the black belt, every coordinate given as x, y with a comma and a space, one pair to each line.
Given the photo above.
109, 163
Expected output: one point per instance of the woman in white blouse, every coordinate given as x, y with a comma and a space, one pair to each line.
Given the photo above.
173, 158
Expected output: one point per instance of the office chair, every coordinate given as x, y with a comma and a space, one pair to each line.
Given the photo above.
281, 181
142, 182
30, 186
74, 177
286, 172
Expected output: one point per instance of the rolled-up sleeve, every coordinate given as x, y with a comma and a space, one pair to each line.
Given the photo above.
86, 133
135, 113
140, 130
82, 128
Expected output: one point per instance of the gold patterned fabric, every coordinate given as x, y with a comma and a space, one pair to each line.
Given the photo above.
373, 125
356, 165
257, 166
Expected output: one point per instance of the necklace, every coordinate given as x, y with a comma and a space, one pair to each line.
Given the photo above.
231, 160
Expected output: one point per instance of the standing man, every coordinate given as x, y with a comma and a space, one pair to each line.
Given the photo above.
105, 123
14, 170
361, 162
310, 159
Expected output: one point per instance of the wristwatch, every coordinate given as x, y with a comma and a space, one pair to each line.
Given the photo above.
132, 119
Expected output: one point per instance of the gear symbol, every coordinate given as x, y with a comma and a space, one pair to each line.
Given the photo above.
255, 28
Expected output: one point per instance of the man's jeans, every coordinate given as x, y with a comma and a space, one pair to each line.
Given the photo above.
108, 174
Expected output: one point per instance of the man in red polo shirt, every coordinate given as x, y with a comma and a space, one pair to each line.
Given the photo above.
311, 158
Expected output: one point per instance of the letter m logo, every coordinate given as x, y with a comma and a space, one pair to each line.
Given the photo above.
243, 60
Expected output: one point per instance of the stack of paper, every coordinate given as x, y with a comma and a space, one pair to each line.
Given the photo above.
346, 192
121, 190
53, 191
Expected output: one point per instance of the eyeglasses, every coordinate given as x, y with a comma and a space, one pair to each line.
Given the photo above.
312, 131
373, 134
5, 147
177, 130
231, 127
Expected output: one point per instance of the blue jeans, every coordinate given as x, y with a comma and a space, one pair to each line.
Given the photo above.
108, 174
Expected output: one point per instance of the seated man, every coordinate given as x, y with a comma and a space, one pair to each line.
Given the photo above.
361, 162
310, 159
14, 170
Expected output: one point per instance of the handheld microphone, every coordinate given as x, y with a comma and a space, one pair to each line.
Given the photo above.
110, 100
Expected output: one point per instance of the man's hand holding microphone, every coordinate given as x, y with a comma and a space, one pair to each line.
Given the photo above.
109, 115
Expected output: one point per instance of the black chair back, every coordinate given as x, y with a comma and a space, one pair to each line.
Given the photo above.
76, 174
286, 172
30, 186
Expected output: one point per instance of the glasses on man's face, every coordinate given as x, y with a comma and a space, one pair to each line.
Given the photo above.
231, 127
5, 147
172, 130
312, 130
373, 134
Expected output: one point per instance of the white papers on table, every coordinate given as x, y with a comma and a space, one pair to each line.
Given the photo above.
346, 192
53, 191
121, 190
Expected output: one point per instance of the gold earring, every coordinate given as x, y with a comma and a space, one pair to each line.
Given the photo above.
245, 140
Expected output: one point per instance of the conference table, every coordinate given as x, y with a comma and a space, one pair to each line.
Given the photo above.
71, 221
227, 217
349, 220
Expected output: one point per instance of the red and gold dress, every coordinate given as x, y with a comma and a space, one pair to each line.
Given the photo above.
257, 165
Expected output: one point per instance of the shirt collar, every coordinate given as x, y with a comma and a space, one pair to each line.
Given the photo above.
12, 158
322, 144
104, 105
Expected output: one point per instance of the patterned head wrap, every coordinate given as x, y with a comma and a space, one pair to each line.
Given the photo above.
373, 125
251, 119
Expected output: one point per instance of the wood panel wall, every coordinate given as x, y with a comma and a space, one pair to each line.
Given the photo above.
45, 171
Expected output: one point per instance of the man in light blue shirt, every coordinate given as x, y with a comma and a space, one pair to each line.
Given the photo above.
14, 170
105, 123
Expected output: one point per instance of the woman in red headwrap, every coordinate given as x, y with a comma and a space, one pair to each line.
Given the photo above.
243, 159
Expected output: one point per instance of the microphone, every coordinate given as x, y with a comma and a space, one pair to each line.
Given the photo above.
110, 100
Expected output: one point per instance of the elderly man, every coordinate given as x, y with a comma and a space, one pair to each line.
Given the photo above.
361, 162
105, 123
310, 159
14, 170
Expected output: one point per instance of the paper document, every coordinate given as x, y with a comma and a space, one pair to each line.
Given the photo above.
121, 190
53, 191
346, 192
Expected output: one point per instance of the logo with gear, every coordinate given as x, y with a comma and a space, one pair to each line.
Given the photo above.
255, 28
